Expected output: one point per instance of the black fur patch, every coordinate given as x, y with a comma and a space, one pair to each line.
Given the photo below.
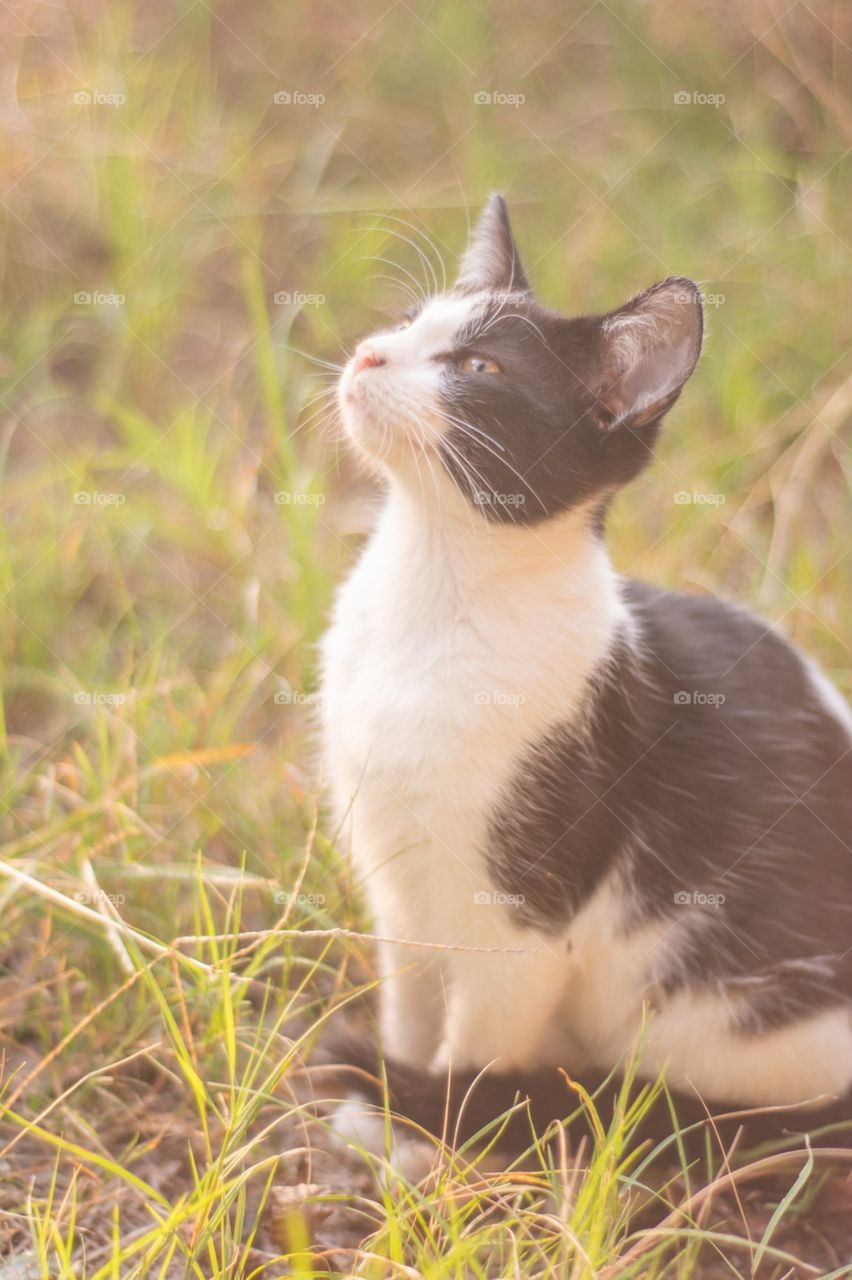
538, 438
576, 406
560, 830
713, 780
467, 1105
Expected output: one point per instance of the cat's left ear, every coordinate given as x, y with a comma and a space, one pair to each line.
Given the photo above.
491, 260
646, 351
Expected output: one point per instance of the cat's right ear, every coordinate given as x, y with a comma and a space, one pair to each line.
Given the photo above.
491, 260
646, 350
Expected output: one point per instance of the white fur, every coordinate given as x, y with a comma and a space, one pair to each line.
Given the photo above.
359, 1125
436, 677
455, 643
391, 412
695, 1037
829, 695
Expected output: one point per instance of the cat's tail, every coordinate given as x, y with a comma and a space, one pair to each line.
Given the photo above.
465, 1105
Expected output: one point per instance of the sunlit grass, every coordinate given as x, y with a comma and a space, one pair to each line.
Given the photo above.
555, 1211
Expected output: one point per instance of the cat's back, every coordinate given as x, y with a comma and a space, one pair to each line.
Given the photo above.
730, 666
747, 753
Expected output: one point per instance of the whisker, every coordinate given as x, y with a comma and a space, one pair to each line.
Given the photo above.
470, 471
475, 484
486, 443
319, 392
421, 231
307, 355
332, 428
398, 284
421, 293
515, 315
407, 240
470, 426
319, 418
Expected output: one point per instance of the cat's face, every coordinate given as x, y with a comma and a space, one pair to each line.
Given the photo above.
521, 410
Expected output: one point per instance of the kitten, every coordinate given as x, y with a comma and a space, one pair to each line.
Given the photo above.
607, 803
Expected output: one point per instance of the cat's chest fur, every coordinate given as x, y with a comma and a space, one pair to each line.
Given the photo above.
443, 664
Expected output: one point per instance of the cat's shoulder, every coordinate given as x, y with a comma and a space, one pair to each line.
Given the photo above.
705, 624
692, 640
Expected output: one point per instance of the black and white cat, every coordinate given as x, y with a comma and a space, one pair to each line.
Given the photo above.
607, 802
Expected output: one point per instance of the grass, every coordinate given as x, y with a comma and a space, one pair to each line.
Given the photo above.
176, 921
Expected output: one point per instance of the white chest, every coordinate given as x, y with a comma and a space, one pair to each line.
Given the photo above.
440, 668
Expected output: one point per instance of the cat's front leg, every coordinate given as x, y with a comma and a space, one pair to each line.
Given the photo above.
503, 1004
411, 1003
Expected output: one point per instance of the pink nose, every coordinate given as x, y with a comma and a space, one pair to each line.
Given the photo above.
367, 359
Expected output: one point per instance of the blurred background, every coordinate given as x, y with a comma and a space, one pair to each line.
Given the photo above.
203, 206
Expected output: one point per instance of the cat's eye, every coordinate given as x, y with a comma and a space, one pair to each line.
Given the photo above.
403, 324
479, 364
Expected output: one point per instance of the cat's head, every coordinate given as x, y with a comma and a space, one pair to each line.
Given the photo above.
523, 411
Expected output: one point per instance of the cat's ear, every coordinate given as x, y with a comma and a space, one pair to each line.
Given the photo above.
647, 350
491, 260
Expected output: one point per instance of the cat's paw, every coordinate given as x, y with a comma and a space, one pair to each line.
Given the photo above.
361, 1126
